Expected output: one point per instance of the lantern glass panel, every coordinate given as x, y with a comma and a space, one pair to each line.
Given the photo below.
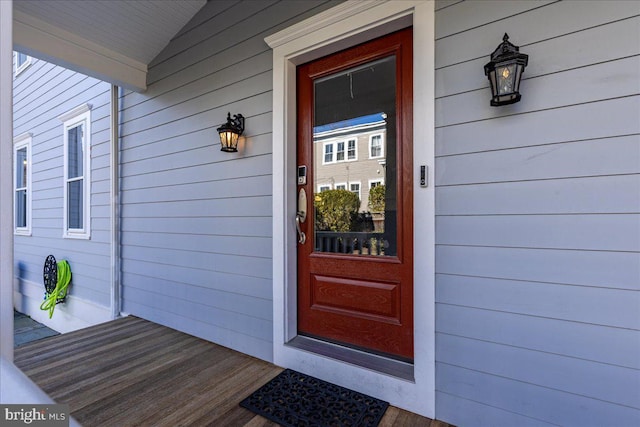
506, 77
229, 140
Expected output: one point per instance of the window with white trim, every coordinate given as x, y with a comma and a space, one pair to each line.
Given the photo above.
323, 187
77, 172
341, 186
328, 153
376, 147
352, 150
340, 151
21, 62
335, 151
22, 185
354, 187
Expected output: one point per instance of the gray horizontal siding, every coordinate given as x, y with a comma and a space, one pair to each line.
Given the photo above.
42, 93
607, 383
549, 53
551, 20
547, 300
562, 160
527, 399
537, 217
212, 243
571, 231
607, 80
196, 222
592, 195
582, 268
568, 337
594, 120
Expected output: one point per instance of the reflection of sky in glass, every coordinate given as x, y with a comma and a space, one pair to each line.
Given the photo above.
21, 188
75, 185
75, 160
21, 168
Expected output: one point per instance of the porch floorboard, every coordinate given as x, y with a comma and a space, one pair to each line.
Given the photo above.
134, 372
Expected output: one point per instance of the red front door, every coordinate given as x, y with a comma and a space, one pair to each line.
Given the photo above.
355, 267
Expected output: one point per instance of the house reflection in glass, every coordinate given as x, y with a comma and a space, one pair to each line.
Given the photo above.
350, 173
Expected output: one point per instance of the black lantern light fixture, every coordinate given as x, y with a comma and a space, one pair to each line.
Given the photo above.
230, 132
504, 72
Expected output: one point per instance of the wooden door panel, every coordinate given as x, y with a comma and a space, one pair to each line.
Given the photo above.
374, 300
361, 333
359, 296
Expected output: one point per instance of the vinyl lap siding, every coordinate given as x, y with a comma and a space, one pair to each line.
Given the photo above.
41, 94
538, 226
196, 222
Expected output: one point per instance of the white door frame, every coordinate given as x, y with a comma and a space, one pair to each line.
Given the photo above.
346, 25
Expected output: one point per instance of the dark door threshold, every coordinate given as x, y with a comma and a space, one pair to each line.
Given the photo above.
384, 365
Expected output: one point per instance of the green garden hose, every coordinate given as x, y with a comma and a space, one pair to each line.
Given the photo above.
60, 291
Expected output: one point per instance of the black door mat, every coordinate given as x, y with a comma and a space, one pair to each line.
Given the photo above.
293, 399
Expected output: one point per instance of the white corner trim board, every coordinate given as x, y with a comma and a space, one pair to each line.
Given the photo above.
6, 180
343, 26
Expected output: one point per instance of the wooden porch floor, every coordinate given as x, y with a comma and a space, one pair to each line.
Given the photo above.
133, 372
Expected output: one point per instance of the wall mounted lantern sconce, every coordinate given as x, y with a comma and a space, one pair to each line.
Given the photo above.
230, 132
504, 72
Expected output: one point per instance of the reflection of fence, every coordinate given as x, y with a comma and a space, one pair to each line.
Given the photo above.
350, 242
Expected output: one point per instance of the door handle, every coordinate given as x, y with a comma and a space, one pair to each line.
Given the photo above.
301, 215
301, 236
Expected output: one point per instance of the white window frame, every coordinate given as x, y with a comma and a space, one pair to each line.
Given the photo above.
344, 151
355, 149
341, 186
381, 145
78, 116
321, 186
20, 142
334, 153
17, 69
359, 192
324, 153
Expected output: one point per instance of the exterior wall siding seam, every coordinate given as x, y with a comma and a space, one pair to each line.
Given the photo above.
512, 115
504, 18
534, 316
537, 420
539, 385
532, 247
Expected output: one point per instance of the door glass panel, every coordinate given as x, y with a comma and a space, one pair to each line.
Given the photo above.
354, 173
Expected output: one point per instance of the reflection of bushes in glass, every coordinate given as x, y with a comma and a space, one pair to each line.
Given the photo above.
336, 210
376, 198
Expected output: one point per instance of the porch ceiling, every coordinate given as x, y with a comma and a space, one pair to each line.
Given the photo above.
113, 40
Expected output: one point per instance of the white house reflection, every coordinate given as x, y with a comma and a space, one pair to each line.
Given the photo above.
350, 162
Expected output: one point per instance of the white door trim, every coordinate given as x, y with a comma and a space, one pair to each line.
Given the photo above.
346, 25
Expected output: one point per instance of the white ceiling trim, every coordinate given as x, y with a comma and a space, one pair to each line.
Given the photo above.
38, 38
